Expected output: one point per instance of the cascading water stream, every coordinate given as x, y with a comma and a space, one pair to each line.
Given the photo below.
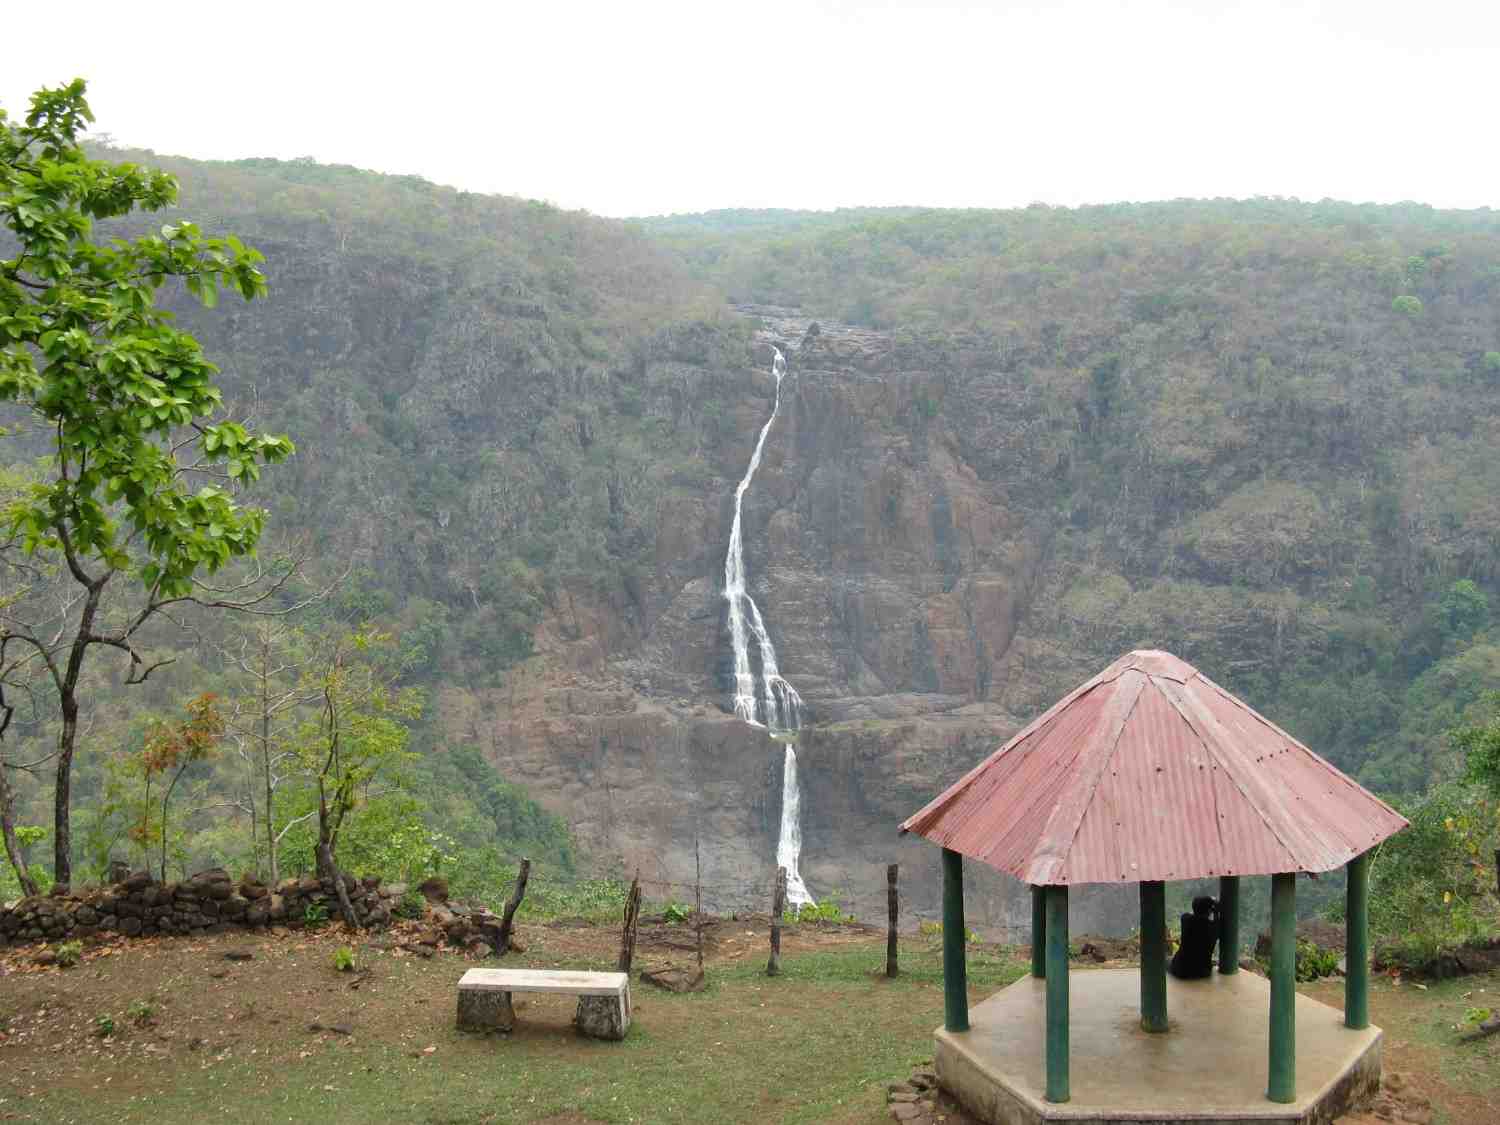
789, 845
777, 707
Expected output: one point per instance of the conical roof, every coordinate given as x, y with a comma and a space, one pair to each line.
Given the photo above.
1151, 771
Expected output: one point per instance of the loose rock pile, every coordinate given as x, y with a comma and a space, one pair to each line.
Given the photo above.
920, 1101
209, 902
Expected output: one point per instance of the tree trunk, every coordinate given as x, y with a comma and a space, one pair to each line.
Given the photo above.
329, 869
265, 759
62, 801
502, 937
270, 811
8, 829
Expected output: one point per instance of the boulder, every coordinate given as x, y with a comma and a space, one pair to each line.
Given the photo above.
435, 889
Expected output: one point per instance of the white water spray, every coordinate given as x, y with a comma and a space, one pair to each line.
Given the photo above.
777, 706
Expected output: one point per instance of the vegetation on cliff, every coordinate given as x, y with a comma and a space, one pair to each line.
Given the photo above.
1258, 433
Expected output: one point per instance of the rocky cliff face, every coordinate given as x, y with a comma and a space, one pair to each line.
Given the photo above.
894, 577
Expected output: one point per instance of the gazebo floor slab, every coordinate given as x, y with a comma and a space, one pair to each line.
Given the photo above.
1208, 1068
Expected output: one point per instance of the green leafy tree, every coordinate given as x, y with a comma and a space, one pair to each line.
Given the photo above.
1480, 744
1464, 610
139, 479
357, 744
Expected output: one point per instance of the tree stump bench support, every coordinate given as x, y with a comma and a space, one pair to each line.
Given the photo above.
603, 998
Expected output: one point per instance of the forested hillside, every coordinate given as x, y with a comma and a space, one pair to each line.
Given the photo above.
1259, 434
1264, 429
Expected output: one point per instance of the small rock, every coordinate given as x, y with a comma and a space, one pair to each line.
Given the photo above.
899, 1096
905, 1111
335, 1028
45, 957
239, 955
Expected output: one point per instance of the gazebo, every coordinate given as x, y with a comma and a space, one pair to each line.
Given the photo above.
1150, 772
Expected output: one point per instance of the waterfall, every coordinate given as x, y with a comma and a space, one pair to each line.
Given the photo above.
777, 706
789, 845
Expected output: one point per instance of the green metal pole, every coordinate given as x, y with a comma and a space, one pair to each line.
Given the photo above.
1154, 956
955, 968
1038, 931
1229, 924
1282, 1085
1357, 945
1057, 994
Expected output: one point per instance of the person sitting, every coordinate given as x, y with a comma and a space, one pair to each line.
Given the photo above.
1194, 958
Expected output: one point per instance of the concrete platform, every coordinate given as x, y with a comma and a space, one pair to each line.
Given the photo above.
1209, 1068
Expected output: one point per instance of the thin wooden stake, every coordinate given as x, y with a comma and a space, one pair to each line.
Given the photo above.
778, 904
893, 909
632, 915
698, 900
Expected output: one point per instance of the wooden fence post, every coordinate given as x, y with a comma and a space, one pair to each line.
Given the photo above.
698, 901
632, 915
893, 909
778, 904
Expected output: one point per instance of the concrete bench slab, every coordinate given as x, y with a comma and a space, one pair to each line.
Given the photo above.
603, 998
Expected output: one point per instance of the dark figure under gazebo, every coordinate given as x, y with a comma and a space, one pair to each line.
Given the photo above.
1149, 773
1194, 958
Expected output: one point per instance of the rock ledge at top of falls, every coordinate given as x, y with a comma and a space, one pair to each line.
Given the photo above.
813, 344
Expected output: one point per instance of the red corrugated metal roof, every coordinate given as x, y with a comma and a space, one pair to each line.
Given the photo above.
1151, 771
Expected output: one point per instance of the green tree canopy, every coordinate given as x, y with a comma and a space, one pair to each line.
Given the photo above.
140, 476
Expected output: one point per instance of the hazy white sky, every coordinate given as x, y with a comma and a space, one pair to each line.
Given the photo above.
644, 108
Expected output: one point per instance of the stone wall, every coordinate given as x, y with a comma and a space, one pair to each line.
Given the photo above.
209, 902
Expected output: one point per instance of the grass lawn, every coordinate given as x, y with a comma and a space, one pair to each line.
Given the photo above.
198, 1037
233, 1038
1422, 1023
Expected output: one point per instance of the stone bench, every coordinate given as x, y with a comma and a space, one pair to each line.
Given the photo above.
603, 998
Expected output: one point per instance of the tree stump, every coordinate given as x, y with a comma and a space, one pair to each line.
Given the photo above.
483, 1009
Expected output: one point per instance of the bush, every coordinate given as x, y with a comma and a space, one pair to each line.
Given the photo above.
314, 915
141, 1012
68, 953
676, 912
1315, 962
826, 911
104, 1026
413, 905
1427, 884
343, 959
